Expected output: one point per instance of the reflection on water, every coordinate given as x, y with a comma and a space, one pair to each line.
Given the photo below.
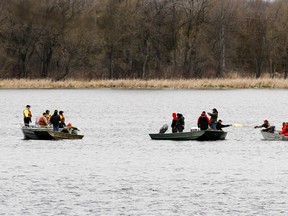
117, 170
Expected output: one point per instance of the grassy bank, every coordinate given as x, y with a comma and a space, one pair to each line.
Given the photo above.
136, 83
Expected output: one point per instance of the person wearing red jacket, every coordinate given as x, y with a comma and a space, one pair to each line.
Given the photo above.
203, 121
284, 130
174, 122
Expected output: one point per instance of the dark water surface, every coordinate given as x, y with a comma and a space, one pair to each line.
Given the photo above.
118, 170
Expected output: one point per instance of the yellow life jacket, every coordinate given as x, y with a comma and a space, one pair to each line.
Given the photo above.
27, 113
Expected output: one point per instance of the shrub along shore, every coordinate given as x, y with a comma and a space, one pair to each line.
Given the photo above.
238, 83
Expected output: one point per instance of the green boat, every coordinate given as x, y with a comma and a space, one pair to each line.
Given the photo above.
192, 135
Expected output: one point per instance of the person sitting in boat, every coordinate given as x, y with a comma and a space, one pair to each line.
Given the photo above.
219, 125
180, 122
43, 121
174, 122
267, 127
284, 130
203, 121
70, 129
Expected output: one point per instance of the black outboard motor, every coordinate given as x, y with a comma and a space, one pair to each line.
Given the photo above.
164, 128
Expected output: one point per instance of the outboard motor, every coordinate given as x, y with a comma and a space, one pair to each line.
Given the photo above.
164, 128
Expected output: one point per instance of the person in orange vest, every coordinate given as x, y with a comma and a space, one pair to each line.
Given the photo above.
27, 116
62, 121
43, 120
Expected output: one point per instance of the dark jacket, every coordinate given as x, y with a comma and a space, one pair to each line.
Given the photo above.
55, 120
203, 122
180, 122
214, 116
219, 126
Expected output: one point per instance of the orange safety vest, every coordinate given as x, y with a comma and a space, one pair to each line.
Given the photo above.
42, 121
62, 118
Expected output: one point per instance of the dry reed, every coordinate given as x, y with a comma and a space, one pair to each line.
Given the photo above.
153, 83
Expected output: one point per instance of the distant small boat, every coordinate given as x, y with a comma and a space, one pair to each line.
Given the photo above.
38, 133
192, 135
273, 136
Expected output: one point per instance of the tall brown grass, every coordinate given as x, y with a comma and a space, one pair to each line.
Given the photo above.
154, 83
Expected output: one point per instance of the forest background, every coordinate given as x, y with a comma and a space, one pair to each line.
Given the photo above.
143, 39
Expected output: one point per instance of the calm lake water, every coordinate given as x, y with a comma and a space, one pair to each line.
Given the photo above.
118, 170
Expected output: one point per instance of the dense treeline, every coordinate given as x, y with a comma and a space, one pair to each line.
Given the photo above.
96, 39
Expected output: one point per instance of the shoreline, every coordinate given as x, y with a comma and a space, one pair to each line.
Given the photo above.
237, 83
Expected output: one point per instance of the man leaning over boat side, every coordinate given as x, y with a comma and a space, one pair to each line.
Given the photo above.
219, 125
27, 116
267, 127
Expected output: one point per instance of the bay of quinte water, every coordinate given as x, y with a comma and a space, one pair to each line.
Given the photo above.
116, 169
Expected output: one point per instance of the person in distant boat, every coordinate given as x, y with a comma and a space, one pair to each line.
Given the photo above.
62, 121
48, 115
27, 116
180, 122
174, 122
267, 127
71, 129
203, 121
213, 118
55, 120
219, 125
43, 120
284, 130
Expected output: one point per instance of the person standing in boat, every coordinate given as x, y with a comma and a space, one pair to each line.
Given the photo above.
27, 116
267, 127
203, 121
48, 115
213, 118
174, 122
284, 128
180, 122
62, 121
55, 120
219, 125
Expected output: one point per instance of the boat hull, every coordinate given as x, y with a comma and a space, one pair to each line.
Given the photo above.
213, 135
273, 136
30, 132
53, 135
193, 135
47, 134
